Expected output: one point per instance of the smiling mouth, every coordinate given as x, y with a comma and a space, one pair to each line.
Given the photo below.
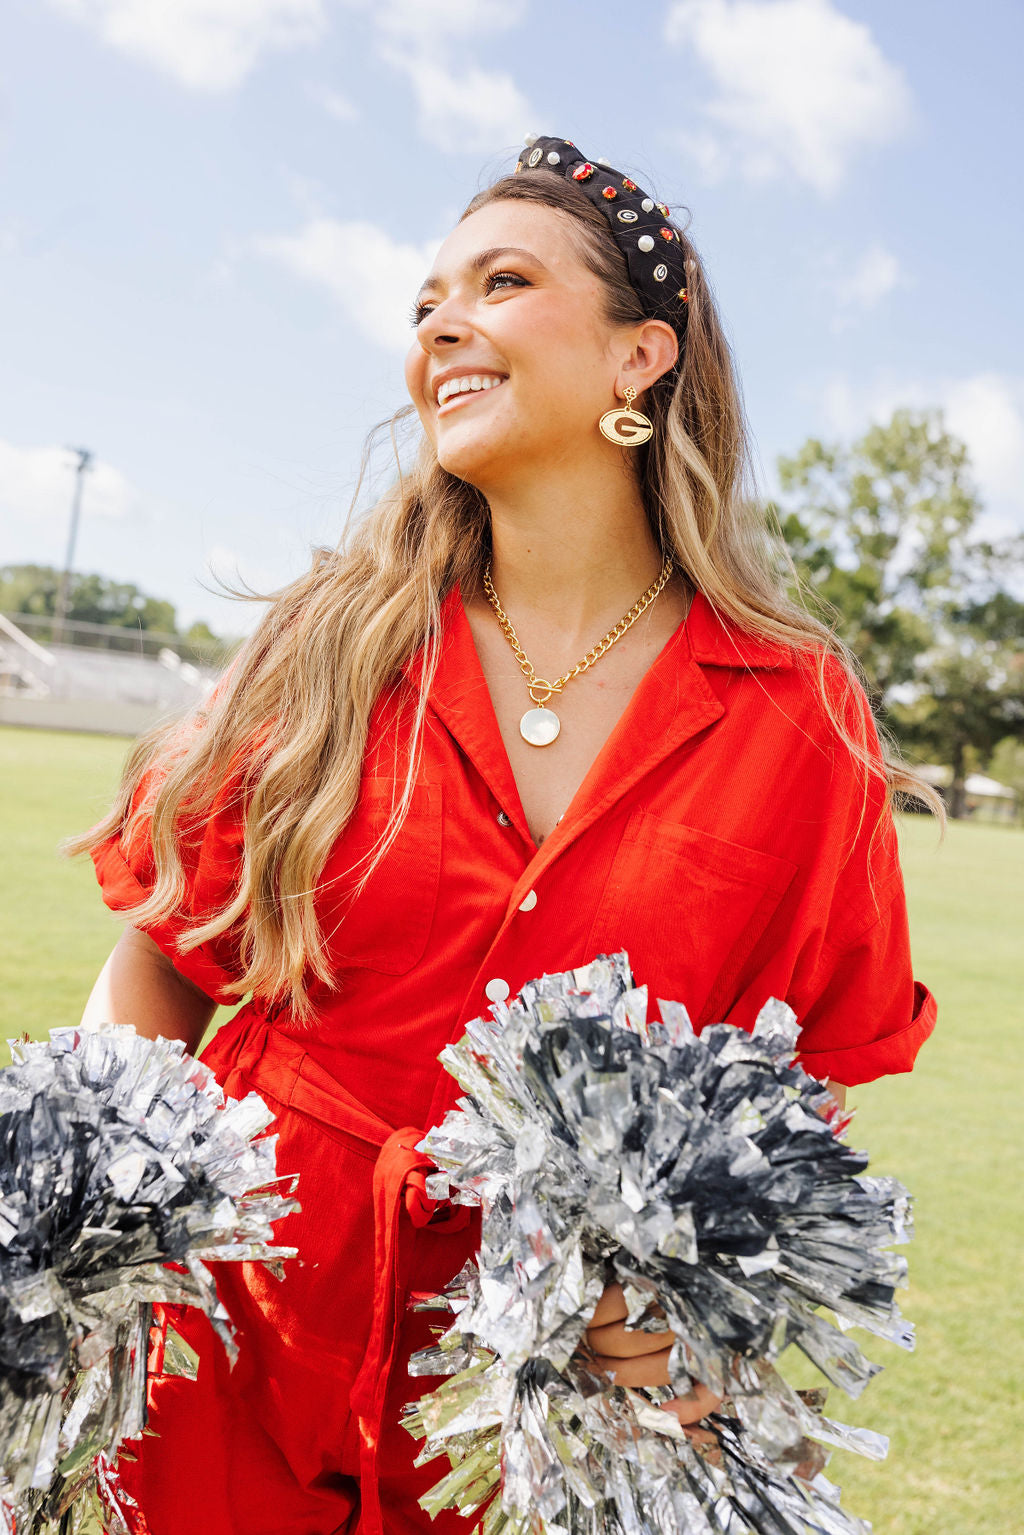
451, 401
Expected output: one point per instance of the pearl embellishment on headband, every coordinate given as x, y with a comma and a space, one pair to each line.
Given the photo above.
637, 222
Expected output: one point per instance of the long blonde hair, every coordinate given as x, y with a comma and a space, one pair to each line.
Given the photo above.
288, 726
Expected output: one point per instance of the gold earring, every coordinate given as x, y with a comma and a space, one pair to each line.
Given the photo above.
629, 427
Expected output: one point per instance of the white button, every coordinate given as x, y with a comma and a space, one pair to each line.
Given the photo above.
529, 901
503, 819
496, 990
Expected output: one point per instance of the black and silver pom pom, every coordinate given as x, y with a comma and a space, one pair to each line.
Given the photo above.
706, 1176
118, 1157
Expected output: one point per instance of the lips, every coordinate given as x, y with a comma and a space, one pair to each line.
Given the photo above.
456, 392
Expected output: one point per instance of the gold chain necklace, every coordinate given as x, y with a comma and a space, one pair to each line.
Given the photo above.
540, 726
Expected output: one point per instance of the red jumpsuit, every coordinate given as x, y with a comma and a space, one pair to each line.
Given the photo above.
721, 837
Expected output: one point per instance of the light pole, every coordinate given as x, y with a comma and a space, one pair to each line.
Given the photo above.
64, 589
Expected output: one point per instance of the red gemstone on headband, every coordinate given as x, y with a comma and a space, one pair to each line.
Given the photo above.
683, 294
630, 186
662, 209
609, 192
583, 173
666, 234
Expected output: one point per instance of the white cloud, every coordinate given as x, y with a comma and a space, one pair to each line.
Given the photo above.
854, 290
985, 410
875, 276
461, 106
462, 109
372, 277
36, 486
799, 88
336, 105
212, 45
429, 20
207, 45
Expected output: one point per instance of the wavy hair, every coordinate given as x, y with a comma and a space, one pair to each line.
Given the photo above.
288, 726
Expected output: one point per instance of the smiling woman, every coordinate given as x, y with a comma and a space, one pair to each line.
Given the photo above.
550, 698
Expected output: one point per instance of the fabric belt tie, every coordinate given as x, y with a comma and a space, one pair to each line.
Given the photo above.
288, 1074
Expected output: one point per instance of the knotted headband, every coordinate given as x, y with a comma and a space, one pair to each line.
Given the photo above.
653, 250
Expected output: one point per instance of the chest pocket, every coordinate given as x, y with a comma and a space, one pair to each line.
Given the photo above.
689, 908
386, 925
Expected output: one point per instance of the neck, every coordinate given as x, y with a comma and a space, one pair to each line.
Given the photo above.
571, 553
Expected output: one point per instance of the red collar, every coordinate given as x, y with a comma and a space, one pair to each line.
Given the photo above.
716, 641
712, 639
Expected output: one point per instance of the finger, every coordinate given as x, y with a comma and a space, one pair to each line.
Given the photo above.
648, 1370
627, 1343
610, 1308
696, 1404
699, 1435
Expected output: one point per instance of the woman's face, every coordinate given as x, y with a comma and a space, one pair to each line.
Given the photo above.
510, 304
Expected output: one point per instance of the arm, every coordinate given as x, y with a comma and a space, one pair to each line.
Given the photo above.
139, 985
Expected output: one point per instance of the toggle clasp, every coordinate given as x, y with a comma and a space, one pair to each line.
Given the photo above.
541, 691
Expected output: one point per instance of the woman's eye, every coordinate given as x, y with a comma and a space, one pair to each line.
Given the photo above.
494, 278
493, 282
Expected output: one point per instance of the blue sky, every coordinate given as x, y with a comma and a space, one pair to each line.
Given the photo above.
214, 215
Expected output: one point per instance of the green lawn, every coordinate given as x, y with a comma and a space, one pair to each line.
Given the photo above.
951, 1131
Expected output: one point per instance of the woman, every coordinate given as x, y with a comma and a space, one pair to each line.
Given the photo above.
388, 819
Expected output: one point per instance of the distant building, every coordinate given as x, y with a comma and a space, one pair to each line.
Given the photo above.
986, 799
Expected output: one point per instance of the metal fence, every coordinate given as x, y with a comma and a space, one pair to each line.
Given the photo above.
121, 639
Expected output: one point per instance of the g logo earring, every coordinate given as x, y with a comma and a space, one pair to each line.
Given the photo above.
628, 427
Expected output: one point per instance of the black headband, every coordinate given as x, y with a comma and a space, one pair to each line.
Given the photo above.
653, 252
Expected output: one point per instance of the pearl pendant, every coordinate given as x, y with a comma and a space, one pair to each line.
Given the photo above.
539, 726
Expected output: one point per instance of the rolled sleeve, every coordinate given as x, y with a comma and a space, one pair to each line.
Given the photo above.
126, 871
868, 1016
852, 1065
122, 890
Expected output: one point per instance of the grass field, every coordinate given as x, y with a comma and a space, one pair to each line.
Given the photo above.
951, 1131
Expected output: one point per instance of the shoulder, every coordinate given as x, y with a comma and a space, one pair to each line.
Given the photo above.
801, 682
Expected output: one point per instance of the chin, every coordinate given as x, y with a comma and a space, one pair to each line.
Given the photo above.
472, 460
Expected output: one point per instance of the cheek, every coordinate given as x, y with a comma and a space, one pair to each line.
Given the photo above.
416, 373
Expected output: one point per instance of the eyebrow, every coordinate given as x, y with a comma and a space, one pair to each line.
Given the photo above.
480, 260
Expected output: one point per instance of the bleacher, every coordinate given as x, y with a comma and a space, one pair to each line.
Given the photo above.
116, 684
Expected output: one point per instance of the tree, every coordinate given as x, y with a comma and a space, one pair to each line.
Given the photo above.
971, 698
203, 645
1007, 765
94, 599
882, 533
32, 589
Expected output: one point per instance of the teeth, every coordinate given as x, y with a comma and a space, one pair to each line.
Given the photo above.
470, 384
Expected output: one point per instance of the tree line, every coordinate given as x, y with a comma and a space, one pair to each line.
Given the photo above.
881, 541
883, 533
30, 591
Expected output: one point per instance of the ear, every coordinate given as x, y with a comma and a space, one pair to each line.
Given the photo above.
654, 350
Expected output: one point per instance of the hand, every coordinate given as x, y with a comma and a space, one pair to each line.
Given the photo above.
641, 1359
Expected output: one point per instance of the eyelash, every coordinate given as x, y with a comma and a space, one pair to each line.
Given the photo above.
419, 312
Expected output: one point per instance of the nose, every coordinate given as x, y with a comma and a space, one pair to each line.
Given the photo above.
445, 326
